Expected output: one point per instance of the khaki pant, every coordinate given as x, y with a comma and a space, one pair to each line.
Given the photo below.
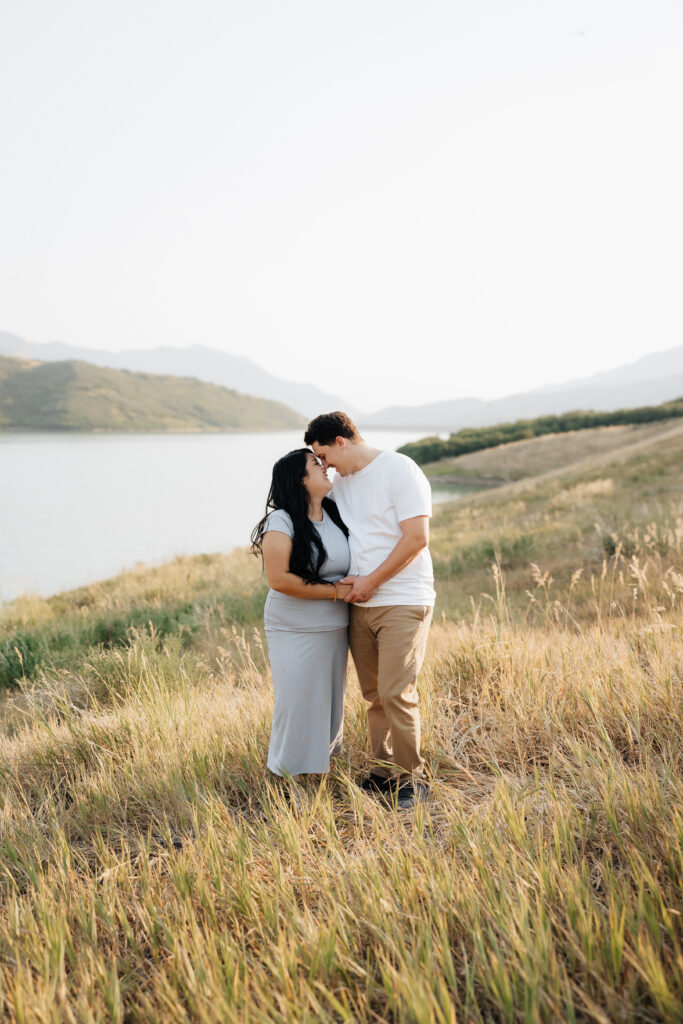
388, 647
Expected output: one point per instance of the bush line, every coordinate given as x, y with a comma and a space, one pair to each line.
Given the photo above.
474, 439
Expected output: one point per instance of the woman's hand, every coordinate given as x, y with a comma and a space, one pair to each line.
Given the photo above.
342, 590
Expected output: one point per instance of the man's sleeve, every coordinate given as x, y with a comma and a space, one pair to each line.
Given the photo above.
411, 493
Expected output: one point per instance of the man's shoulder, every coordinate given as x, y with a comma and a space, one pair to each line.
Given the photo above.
400, 458
404, 464
388, 461
385, 469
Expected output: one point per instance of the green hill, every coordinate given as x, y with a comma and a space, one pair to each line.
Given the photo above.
79, 396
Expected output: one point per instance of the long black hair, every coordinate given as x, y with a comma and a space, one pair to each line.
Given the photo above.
287, 492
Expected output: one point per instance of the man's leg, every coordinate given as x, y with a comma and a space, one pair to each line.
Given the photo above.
401, 632
364, 651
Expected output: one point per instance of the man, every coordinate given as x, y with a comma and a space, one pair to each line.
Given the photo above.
385, 501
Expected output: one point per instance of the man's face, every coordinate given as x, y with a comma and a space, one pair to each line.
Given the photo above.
331, 454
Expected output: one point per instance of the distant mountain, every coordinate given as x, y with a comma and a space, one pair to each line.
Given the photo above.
72, 395
434, 416
198, 361
649, 381
659, 365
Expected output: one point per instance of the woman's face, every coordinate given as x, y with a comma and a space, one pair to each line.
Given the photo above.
316, 480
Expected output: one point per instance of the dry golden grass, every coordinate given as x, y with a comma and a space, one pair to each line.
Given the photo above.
149, 871
542, 881
182, 579
627, 501
549, 453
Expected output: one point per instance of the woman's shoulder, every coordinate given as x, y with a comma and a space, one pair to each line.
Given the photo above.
279, 520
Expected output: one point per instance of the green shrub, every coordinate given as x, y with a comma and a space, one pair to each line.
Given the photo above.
20, 654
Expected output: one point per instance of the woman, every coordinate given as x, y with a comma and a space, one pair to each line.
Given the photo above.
305, 551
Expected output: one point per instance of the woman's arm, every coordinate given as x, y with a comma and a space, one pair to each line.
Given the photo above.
277, 549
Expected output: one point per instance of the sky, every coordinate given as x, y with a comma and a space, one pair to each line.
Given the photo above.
400, 202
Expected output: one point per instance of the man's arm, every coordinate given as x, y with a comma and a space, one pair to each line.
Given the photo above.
414, 537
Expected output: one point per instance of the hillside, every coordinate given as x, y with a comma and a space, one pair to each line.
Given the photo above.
570, 517
506, 463
73, 395
152, 871
207, 364
474, 439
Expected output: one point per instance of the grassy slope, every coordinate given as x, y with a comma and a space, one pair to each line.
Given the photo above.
564, 520
520, 459
472, 439
78, 396
543, 883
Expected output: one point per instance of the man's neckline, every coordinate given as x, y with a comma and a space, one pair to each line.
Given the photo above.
370, 464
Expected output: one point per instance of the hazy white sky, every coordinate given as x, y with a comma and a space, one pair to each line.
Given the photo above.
401, 202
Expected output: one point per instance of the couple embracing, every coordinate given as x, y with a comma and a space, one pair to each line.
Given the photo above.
349, 568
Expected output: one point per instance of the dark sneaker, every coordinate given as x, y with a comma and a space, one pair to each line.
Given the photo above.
409, 794
375, 784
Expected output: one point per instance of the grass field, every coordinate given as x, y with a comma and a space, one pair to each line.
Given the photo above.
150, 872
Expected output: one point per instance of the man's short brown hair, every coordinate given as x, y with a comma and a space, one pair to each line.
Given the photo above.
326, 428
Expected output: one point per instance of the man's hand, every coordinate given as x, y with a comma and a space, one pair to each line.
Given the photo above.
414, 537
362, 588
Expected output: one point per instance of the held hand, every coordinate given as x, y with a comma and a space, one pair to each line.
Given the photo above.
342, 590
362, 589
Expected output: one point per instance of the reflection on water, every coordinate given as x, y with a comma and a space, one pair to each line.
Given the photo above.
80, 507
448, 493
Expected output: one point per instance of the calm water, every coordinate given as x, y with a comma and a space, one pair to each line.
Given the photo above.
78, 508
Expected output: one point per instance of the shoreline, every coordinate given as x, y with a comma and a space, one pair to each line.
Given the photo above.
473, 483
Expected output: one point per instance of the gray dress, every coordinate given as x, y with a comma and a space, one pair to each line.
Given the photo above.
308, 651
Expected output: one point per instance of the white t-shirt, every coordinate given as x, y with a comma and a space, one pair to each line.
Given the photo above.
372, 503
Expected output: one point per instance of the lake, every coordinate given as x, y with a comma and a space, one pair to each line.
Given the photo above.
82, 507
